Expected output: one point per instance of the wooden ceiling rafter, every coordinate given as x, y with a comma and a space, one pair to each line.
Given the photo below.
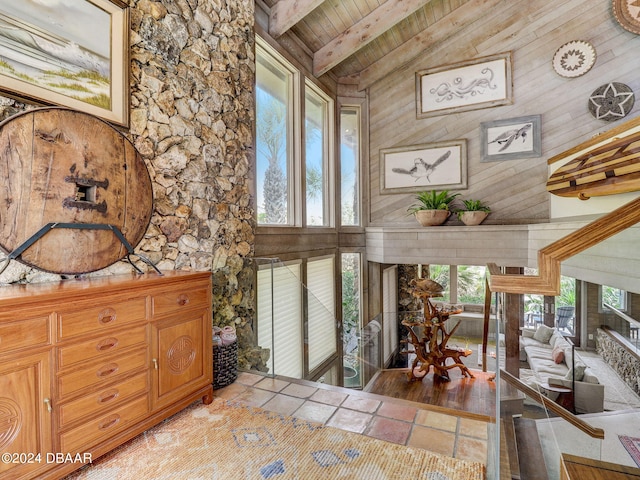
363, 32
441, 30
286, 13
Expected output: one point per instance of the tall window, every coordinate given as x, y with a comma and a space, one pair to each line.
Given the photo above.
349, 161
297, 315
274, 167
351, 319
289, 144
317, 156
279, 318
321, 316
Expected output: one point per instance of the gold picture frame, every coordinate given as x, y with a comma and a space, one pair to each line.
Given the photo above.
77, 57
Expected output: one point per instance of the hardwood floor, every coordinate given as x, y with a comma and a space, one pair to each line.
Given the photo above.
474, 395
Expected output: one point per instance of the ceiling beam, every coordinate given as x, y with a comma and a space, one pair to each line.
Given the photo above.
286, 13
434, 34
365, 31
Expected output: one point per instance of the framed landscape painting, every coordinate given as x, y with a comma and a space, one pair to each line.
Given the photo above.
431, 166
479, 83
511, 139
75, 54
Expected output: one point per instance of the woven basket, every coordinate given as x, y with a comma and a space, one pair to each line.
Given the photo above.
225, 364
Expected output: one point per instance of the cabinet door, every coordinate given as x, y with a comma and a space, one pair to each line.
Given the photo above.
182, 363
25, 416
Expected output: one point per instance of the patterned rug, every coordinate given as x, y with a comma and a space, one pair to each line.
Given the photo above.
227, 441
631, 445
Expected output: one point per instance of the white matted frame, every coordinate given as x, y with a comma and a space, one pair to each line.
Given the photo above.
471, 85
76, 56
441, 165
511, 139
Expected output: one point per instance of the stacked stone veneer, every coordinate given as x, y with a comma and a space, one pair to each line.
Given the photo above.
192, 112
620, 359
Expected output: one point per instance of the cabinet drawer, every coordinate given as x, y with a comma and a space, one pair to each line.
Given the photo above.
178, 300
30, 332
82, 438
101, 401
98, 375
102, 346
92, 318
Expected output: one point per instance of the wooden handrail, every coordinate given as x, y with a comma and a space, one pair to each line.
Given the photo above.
547, 282
551, 405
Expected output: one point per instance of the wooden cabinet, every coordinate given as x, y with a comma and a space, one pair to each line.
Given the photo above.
87, 364
25, 416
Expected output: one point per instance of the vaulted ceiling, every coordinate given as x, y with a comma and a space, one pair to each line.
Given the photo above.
360, 41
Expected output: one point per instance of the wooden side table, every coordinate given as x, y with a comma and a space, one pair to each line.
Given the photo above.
565, 395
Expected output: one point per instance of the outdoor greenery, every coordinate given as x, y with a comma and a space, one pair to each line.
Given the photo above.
471, 283
271, 132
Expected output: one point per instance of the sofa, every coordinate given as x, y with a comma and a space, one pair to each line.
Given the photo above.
549, 356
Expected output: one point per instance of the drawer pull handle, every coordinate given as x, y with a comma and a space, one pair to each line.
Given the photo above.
47, 402
106, 344
107, 316
107, 370
183, 300
108, 396
109, 422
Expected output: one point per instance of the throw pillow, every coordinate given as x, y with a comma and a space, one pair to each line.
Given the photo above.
579, 369
543, 334
557, 354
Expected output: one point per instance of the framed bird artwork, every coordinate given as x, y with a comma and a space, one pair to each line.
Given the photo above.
432, 166
511, 139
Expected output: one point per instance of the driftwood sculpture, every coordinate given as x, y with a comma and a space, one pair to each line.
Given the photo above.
430, 337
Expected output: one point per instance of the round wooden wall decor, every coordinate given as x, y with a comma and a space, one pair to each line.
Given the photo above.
627, 14
611, 101
66, 166
574, 59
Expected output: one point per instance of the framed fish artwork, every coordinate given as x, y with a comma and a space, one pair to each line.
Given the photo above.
511, 139
429, 166
73, 54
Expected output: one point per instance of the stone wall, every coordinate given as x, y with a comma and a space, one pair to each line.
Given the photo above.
620, 359
192, 114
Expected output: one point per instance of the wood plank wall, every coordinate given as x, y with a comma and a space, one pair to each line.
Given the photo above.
533, 30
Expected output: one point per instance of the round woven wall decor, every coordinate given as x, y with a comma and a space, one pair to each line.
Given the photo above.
611, 101
627, 14
574, 59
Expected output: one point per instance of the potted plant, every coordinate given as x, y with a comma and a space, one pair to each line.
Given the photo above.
473, 213
432, 208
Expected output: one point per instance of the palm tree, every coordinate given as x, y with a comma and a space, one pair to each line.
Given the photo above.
272, 138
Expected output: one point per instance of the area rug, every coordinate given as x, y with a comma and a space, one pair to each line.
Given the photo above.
631, 445
230, 441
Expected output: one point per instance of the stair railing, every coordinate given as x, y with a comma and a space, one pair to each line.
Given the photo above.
547, 282
553, 406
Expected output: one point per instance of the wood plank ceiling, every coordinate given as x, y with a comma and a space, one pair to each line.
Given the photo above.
360, 41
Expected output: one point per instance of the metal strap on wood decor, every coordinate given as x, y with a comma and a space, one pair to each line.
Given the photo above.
80, 226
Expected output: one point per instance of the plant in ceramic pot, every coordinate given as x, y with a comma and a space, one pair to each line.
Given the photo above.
432, 208
473, 213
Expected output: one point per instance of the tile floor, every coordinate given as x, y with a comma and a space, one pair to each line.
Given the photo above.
390, 419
